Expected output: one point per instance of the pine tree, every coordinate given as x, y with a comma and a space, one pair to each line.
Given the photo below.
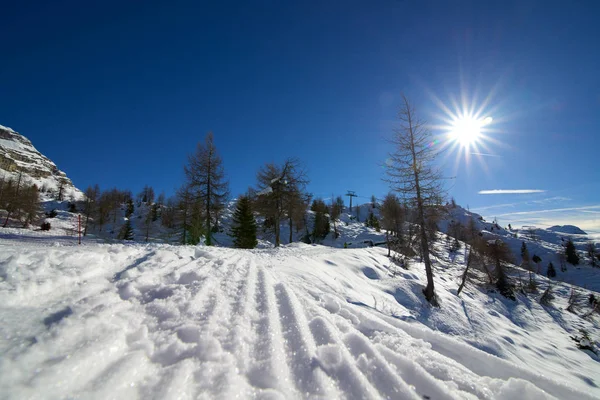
244, 225
537, 260
551, 271
126, 232
526, 261
500, 253
130, 208
571, 253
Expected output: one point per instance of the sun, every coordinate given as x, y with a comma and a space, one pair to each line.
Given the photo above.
466, 130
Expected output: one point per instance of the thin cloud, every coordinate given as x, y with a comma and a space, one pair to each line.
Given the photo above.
485, 155
555, 199
511, 191
554, 210
551, 200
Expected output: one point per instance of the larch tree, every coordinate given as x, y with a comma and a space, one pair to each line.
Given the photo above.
335, 210
206, 180
321, 225
410, 172
12, 198
280, 193
592, 253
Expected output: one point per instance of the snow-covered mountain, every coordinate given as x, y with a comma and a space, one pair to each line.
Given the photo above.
19, 156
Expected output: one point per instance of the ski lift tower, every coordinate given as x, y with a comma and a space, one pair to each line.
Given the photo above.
351, 194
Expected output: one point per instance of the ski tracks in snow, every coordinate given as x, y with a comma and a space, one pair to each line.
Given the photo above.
234, 324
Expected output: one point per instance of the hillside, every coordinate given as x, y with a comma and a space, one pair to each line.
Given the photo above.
157, 321
18, 156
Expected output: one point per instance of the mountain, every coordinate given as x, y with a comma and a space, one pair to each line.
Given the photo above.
19, 156
568, 229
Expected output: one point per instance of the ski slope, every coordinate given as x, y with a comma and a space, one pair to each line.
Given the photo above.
165, 322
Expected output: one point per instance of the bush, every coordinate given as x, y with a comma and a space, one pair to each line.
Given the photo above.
51, 214
72, 208
45, 226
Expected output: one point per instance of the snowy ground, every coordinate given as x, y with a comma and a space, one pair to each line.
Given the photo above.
158, 321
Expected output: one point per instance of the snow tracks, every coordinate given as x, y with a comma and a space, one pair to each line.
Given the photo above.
179, 323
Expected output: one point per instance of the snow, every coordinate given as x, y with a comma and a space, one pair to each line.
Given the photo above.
37, 169
6, 128
301, 321
568, 229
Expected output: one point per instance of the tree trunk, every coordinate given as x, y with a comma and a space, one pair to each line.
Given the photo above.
291, 222
387, 240
429, 290
208, 232
464, 276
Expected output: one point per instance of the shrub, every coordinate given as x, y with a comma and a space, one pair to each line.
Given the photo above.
51, 214
45, 226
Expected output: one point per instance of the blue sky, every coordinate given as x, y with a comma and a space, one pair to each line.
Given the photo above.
118, 93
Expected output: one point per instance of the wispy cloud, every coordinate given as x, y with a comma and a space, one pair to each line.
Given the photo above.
554, 210
485, 154
511, 191
554, 199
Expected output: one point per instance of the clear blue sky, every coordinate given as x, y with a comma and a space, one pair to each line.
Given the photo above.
118, 93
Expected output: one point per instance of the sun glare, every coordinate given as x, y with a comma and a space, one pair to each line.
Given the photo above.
466, 131
466, 128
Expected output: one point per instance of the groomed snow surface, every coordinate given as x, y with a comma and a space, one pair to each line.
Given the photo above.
166, 322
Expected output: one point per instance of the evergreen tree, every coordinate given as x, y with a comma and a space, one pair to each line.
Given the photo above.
244, 225
571, 253
126, 232
551, 271
130, 208
372, 221
154, 212
499, 253
526, 261
537, 260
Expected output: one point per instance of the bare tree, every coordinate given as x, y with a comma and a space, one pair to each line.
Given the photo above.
90, 205
499, 253
411, 173
335, 210
206, 179
280, 193
592, 253
393, 214
12, 198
